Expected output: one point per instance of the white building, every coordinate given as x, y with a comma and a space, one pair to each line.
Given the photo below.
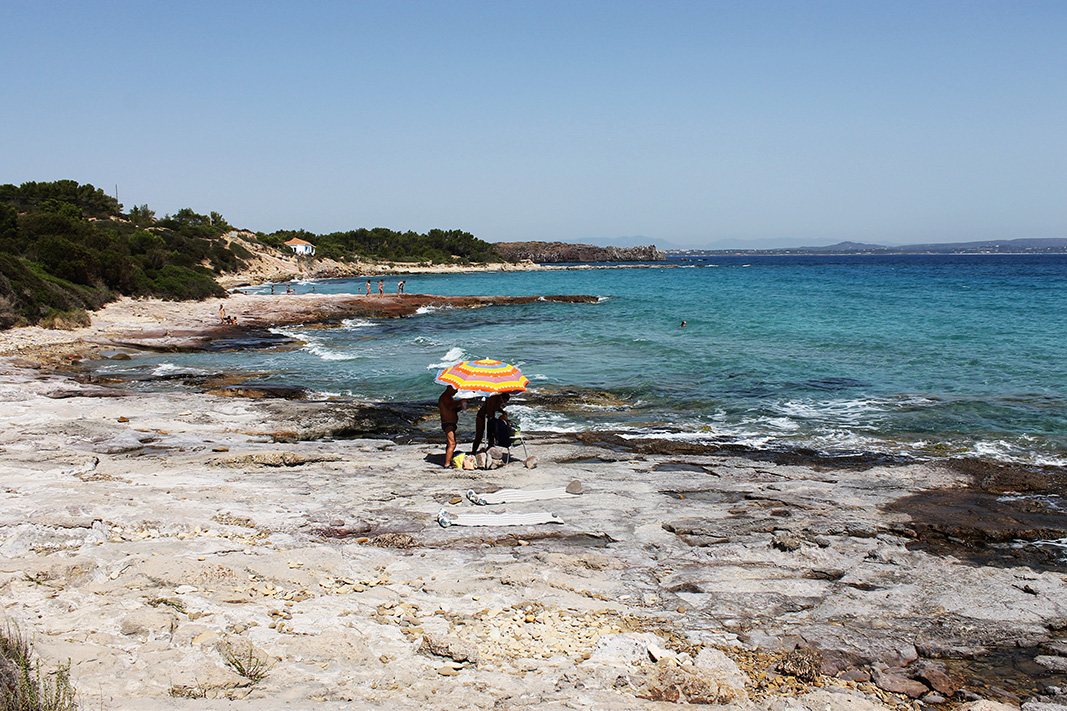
300, 247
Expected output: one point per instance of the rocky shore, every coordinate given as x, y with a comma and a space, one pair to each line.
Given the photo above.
190, 551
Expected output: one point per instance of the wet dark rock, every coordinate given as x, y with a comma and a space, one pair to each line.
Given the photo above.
933, 675
978, 525
896, 683
261, 391
856, 675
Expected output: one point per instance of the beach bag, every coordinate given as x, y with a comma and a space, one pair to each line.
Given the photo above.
500, 432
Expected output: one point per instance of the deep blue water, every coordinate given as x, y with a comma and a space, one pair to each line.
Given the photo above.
928, 355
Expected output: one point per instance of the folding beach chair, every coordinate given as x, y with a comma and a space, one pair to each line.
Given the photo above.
503, 435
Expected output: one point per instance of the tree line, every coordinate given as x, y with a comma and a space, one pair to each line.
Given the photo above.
384, 245
67, 248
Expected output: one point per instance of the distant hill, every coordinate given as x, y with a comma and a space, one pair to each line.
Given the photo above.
1011, 246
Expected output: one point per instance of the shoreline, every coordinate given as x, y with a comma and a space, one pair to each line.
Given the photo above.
146, 533
156, 325
267, 269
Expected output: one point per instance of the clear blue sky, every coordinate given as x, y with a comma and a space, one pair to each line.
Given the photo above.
695, 123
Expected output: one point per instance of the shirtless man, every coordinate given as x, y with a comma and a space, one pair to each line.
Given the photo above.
493, 404
450, 408
381, 287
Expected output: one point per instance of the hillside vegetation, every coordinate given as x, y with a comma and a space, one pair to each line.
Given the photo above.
560, 252
67, 248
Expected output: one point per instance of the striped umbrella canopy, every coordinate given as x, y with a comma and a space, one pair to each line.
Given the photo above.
484, 376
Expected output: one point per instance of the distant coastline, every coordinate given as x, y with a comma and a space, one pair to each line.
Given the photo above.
1014, 246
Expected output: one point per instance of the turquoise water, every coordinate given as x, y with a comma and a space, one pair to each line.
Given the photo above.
923, 355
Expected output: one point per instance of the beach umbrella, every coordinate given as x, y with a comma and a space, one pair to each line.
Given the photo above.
484, 376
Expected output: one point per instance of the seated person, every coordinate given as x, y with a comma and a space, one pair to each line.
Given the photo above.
493, 407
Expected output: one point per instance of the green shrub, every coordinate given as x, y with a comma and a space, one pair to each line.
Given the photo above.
66, 320
23, 685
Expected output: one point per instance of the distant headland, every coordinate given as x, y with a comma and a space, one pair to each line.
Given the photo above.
1009, 246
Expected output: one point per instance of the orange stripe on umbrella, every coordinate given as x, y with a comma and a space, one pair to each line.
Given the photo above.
484, 376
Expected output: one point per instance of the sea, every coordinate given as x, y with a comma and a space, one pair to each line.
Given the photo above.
913, 356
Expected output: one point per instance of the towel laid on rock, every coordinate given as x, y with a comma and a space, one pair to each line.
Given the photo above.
512, 496
446, 518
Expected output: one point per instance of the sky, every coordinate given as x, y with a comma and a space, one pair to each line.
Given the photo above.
707, 124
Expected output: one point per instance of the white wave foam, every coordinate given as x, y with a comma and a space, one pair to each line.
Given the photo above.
431, 309
289, 333
316, 348
354, 323
454, 355
850, 411
164, 369
533, 419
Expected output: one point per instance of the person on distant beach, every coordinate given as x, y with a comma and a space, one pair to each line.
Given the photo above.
399, 288
381, 287
222, 314
368, 287
272, 288
493, 407
450, 408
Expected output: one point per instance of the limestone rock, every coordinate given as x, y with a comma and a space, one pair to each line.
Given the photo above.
785, 541
713, 679
1043, 706
1056, 665
148, 623
986, 705
822, 700
623, 648
453, 648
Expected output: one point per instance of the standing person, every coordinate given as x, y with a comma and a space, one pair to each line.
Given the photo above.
222, 314
400, 288
381, 287
368, 287
494, 405
450, 407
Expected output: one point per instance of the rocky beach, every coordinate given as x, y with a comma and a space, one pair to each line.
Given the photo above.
191, 550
